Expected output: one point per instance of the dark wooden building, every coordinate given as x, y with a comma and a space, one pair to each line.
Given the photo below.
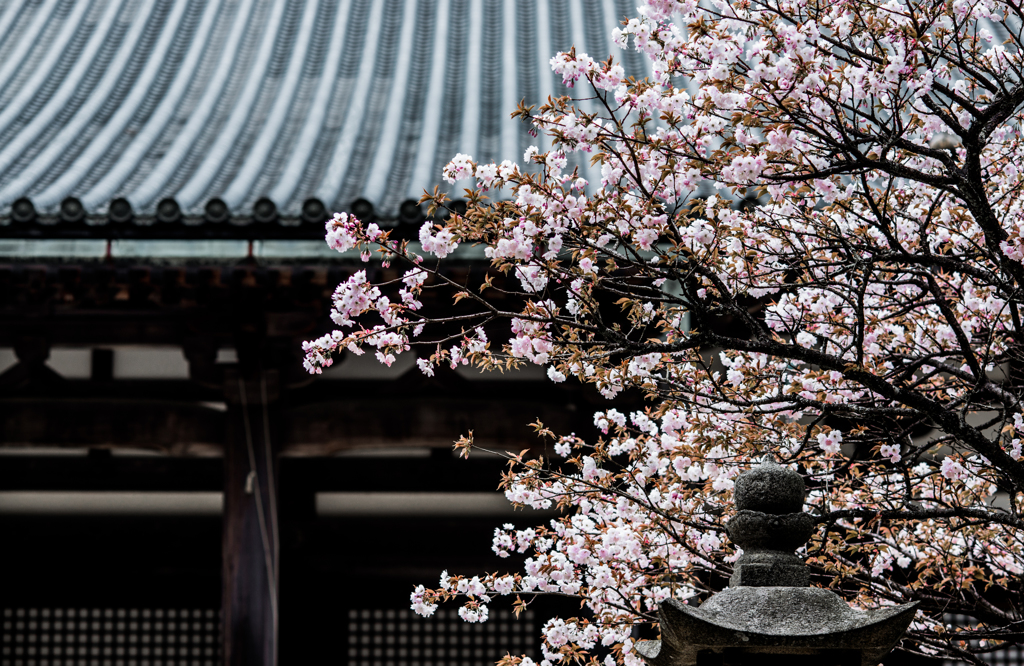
174, 489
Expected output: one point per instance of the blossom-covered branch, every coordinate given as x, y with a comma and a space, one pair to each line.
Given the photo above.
806, 240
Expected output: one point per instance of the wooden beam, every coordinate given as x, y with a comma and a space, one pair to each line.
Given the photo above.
320, 420
100, 470
171, 426
250, 548
329, 427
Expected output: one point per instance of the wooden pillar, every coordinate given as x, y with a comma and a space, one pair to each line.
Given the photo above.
250, 530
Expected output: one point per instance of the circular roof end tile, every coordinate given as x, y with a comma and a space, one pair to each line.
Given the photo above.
264, 211
168, 212
120, 211
23, 212
363, 210
216, 211
72, 211
410, 212
314, 212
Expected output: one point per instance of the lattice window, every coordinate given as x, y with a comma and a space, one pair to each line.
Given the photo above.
109, 637
402, 638
1010, 655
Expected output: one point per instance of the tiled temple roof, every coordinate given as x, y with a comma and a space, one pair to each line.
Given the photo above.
252, 102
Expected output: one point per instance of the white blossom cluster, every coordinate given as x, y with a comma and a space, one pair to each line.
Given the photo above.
856, 319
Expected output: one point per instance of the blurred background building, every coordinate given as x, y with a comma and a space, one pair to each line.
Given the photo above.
174, 489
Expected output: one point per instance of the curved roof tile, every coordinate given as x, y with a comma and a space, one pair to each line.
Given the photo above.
286, 99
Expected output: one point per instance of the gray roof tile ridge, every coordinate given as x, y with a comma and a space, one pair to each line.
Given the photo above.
59, 145
16, 145
105, 188
153, 185
354, 100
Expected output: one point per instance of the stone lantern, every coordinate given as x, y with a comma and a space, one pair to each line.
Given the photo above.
769, 615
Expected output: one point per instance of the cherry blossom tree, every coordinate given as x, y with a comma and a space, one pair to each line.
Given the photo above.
807, 242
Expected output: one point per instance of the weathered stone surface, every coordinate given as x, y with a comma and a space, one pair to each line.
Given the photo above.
770, 488
786, 611
770, 574
774, 620
755, 529
769, 615
768, 535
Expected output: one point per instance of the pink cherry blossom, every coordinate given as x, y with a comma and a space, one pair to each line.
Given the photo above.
802, 235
